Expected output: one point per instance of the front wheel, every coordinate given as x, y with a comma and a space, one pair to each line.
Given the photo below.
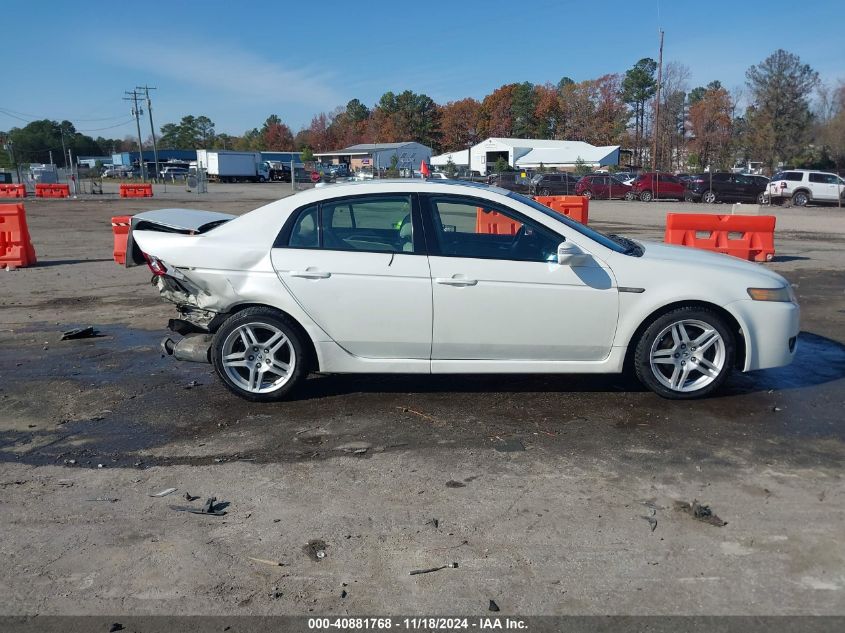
646, 196
629, 196
588, 194
258, 355
761, 199
545, 192
686, 353
709, 197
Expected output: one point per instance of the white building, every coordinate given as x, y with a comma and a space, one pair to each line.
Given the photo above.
409, 155
529, 153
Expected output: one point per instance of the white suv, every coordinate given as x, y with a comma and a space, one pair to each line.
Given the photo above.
805, 185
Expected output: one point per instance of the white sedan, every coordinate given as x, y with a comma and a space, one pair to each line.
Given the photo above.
416, 276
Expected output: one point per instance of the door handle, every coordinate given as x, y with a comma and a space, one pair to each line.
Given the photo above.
455, 281
310, 274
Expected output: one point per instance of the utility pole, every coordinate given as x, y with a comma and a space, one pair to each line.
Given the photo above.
136, 112
657, 102
146, 90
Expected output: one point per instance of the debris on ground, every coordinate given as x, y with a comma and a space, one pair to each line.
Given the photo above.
193, 384
80, 332
190, 497
316, 550
164, 493
109, 499
652, 521
433, 522
493, 606
116, 626
417, 572
210, 507
343, 594
700, 512
264, 561
455, 484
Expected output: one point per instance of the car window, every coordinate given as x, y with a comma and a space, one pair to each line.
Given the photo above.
370, 223
465, 229
827, 179
304, 233
794, 176
742, 180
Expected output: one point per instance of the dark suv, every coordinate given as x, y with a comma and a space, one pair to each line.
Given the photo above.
510, 180
653, 185
724, 187
554, 184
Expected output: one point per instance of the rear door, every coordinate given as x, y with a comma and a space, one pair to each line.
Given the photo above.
357, 266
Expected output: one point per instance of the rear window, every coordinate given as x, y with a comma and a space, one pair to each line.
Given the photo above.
827, 179
794, 176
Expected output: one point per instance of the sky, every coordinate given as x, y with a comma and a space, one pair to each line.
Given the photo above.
237, 62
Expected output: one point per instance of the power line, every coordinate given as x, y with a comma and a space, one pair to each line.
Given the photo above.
35, 117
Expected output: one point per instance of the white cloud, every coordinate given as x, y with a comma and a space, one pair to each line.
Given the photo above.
236, 72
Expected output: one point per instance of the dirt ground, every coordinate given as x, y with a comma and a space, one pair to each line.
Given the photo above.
553, 494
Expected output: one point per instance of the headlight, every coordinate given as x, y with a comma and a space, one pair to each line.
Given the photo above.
772, 294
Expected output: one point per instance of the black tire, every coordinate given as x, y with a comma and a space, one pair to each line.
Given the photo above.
629, 196
295, 354
709, 197
588, 194
545, 192
655, 333
761, 198
800, 198
646, 196
689, 198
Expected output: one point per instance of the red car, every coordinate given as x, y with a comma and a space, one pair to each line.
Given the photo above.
602, 187
653, 185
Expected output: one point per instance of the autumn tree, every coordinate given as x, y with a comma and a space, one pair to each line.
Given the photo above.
780, 118
459, 122
710, 125
496, 117
547, 111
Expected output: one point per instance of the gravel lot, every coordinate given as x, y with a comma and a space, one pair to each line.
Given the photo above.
544, 489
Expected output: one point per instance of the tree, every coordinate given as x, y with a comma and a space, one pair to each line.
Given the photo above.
307, 156
34, 142
450, 168
190, 133
581, 167
780, 119
547, 111
501, 165
638, 87
275, 135
523, 103
711, 126
672, 126
496, 116
459, 121
831, 127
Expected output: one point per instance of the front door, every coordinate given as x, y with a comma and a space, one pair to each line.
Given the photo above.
357, 267
499, 293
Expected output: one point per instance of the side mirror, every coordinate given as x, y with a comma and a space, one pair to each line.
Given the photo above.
570, 254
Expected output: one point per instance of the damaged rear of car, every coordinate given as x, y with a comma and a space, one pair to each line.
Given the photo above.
212, 276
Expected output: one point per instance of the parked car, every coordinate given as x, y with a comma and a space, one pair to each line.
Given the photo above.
625, 176
413, 277
653, 185
724, 187
510, 180
602, 186
553, 184
174, 173
803, 186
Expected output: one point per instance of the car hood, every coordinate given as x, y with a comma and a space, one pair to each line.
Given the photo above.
684, 255
188, 220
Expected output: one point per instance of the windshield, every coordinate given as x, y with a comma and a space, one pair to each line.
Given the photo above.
586, 231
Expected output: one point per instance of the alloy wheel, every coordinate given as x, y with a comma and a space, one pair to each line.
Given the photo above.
258, 357
687, 355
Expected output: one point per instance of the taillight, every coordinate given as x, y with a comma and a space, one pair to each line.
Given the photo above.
155, 265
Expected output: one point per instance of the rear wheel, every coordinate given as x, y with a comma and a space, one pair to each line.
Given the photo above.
646, 196
629, 195
761, 198
259, 355
709, 196
689, 198
587, 194
686, 353
800, 198
544, 192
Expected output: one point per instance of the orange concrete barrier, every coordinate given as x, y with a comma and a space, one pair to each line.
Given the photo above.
12, 191
490, 222
52, 191
136, 191
575, 207
120, 229
744, 236
15, 244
